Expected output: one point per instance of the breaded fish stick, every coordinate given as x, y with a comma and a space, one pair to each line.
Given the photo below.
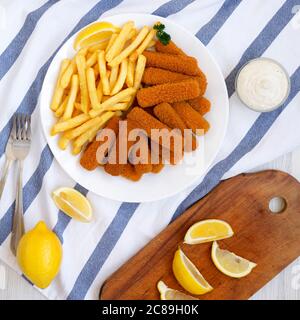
167, 115
143, 166
113, 166
89, 156
176, 63
170, 48
200, 104
153, 76
168, 92
146, 122
164, 155
130, 173
191, 117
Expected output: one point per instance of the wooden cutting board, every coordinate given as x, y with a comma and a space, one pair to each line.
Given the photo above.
271, 240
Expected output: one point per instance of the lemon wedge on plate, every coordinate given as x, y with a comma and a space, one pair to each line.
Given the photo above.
95, 33
73, 203
208, 230
167, 293
229, 263
188, 275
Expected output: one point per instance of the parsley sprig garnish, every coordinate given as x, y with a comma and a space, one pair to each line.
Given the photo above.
161, 35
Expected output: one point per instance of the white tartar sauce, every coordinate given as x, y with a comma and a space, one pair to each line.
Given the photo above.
262, 84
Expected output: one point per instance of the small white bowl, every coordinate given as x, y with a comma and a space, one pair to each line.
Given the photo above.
287, 78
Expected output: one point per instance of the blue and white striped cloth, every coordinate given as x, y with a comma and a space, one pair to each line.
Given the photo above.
235, 31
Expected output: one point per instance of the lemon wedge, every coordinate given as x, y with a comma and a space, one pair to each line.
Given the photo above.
171, 294
73, 203
229, 263
208, 230
95, 33
188, 275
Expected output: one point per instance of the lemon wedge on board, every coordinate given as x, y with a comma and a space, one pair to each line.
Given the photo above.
167, 293
188, 275
95, 33
229, 263
73, 203
208, 230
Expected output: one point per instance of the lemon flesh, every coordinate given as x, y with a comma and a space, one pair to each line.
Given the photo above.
208, 230
171, 294
39, 255
229, 263
73, 203
188, 275
95, 33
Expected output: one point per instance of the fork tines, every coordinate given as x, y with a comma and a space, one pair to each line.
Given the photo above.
21, 129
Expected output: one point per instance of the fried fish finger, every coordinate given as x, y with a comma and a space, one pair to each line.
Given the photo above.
153, 76
89, 156
191, 117
146, 122
167, 115
200, 104
170, 48
130, 173
176, 63
168, 92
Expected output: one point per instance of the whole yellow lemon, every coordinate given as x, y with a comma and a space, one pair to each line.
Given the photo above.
39, 255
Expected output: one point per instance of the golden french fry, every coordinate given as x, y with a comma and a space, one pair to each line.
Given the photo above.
151, 44
90, 76
113, 76
143, 45
113, 100
82, 128
120, 106
99, 91
66, 77
111, 41
63, 142
59, 112
72, 97
119, 42
59, 90
103, 72
70, 123
84, 98
127, 51
93, 134
130, 73
104, 98
92, 59
98, 46
83, 51
76, 111
76, 150
139, 71
77, 106
121, 78
96, 70
85, 136
132, 34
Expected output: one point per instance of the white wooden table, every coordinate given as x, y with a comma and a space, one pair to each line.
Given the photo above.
285, 286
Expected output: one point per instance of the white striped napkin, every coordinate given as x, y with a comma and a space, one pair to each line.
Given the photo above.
233, 30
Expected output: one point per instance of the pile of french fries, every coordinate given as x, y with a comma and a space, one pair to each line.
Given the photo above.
98, 83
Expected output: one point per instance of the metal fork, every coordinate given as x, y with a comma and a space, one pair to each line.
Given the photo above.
9, 158
21, 140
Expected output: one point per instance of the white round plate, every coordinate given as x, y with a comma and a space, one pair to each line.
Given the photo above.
172, 179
